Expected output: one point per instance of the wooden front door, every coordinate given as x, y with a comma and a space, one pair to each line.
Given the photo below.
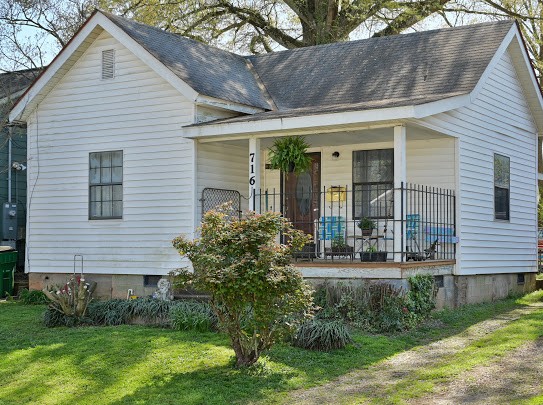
302, 196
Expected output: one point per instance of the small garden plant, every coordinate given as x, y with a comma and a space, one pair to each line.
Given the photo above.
257, 295
33, 297
72, 299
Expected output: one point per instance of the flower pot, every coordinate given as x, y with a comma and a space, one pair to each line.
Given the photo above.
373, 256
368, 256
367, 232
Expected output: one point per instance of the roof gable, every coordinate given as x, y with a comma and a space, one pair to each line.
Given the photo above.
208, 70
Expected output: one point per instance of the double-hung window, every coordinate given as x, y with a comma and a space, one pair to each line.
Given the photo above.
373, 183
106, 185
502, 180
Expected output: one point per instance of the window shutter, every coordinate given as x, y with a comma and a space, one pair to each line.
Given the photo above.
108, 64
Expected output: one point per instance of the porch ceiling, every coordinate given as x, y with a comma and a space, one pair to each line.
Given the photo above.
374, 135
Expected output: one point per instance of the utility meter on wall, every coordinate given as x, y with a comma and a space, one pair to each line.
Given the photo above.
9, 221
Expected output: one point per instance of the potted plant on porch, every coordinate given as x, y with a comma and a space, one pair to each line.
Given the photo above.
367, 226
372, 255
289, 154
339, 248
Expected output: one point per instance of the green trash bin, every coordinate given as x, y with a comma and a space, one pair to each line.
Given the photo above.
8, 261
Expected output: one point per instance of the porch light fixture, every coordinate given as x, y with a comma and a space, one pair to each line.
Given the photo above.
335, 155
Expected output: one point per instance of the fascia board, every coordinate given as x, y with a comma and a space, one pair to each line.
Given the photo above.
290, 124
227, 105
47, 75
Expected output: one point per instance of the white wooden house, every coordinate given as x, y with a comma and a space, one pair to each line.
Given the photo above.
133, 132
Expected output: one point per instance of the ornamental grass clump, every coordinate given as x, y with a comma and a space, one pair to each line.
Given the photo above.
256, 294
323, 335
194, 316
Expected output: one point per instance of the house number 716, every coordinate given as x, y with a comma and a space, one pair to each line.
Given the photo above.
252, 179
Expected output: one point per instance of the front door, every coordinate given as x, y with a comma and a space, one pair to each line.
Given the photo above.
302, 196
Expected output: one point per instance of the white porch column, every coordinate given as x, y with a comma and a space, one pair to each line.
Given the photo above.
254, 171
400, 177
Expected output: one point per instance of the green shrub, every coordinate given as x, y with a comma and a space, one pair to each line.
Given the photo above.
53, 318
422, 294
378, 307
191, 315
322, 335
33, 297
240, 265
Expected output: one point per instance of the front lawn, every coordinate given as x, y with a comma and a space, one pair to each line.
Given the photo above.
134, 364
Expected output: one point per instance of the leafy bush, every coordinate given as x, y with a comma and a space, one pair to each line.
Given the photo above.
240, 264
422, 294
322, 335
378, 307
33, 297
197, 316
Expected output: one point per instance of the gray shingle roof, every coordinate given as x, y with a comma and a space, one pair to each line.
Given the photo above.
13, 82
428, 64
392, 71
208, 70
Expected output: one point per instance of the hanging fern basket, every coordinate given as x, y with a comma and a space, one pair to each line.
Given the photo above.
289, 154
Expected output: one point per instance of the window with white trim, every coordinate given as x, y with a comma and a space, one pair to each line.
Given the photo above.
373, 183
106, 185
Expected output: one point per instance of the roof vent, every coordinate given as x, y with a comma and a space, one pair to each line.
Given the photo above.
108, 64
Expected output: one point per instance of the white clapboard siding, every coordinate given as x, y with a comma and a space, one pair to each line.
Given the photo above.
223, 166
136, 112
206, 113
497, 121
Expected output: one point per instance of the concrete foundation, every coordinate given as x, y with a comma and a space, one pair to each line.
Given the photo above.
454, 290
108, 285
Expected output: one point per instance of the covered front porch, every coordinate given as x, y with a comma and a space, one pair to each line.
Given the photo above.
400, 179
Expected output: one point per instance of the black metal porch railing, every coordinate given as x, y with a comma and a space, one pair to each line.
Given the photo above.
420, 226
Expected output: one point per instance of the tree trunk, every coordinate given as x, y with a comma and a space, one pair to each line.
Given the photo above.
243, 358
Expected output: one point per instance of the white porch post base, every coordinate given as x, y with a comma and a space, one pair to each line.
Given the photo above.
254, 172
400, 177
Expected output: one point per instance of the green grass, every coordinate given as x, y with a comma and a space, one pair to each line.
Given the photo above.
141, 365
